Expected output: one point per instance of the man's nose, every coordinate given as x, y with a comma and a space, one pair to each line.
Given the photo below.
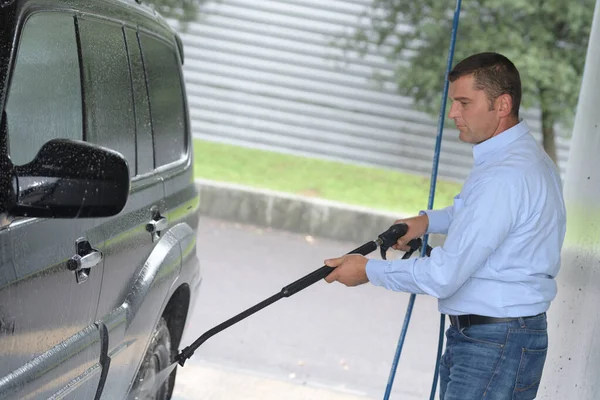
453, 113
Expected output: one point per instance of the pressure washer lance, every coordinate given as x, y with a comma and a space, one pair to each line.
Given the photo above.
384, 241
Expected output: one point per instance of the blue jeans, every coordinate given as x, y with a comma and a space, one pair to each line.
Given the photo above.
499, 361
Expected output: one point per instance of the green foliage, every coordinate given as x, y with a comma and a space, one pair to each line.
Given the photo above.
546, 39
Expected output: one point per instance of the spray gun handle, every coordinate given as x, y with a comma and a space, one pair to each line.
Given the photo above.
389, 238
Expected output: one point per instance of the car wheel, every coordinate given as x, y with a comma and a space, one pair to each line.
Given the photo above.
158, 357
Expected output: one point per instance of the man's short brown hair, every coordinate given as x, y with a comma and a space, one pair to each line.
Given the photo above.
494, 74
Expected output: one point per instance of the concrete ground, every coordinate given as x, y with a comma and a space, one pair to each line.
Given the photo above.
215, 382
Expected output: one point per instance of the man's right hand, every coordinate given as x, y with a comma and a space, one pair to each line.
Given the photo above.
417, 227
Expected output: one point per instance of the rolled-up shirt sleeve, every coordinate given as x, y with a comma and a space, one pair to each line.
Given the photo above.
479, 226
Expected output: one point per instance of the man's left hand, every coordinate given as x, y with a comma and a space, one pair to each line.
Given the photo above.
351, 270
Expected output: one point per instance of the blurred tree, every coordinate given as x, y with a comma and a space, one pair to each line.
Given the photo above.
546, 39
182, 10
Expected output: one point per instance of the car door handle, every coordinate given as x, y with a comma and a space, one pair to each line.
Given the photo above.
84, 260
88, 261
155, 226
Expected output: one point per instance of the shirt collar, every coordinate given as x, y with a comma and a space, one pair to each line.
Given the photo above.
483, 150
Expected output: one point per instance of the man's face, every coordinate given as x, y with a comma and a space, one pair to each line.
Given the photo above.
471, 112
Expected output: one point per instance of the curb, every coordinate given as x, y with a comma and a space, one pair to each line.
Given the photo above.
299, 214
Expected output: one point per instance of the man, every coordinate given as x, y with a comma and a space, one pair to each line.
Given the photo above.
494, 275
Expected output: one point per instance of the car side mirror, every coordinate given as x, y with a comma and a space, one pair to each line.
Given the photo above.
70, 179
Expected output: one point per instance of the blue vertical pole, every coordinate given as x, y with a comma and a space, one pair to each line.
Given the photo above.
434, 173
436, 156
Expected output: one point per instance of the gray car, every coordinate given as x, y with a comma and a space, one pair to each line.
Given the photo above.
98, 207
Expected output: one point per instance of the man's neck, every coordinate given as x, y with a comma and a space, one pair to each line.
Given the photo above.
505, 124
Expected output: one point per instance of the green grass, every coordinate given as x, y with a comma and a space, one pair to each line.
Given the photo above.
375, 188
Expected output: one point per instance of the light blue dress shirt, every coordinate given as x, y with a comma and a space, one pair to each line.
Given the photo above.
504, 232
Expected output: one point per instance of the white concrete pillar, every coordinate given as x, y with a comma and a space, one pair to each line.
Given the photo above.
573, 365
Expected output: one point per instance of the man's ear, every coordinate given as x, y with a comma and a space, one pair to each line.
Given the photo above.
504, 104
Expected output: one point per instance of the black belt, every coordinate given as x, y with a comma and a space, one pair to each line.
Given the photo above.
464, 321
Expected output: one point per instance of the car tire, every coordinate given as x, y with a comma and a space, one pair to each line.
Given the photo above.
158, 357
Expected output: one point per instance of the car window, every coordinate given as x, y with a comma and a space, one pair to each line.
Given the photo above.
167, 113
109, 113
44, 98
144, 141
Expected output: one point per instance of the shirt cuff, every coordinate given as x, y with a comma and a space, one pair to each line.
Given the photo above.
439, 221
395, 275
376, 271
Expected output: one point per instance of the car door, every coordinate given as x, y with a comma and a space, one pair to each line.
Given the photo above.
118, 117
170, 125
49, 343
